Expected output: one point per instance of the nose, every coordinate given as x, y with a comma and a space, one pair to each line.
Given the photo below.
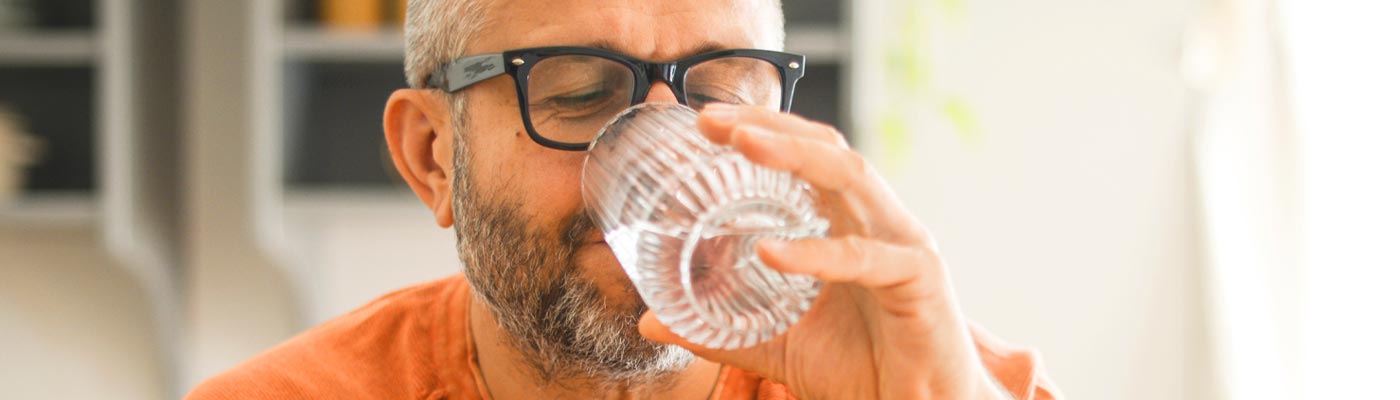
660, 92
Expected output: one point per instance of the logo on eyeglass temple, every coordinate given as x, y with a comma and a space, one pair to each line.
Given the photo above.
479, 68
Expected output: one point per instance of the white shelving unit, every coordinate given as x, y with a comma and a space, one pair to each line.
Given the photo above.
822, 44
38, 49
49, 210
58, 48
309, 43
127, 205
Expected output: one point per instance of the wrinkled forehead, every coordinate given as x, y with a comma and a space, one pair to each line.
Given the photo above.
657, 30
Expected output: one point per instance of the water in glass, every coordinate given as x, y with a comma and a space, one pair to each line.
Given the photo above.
682, 215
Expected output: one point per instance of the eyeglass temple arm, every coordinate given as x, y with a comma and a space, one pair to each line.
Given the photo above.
467, 71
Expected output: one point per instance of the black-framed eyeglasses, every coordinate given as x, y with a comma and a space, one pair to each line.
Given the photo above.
567, 94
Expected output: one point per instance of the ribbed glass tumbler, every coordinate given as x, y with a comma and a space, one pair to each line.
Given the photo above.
682, 215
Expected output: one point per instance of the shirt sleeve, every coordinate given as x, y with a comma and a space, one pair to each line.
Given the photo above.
1019, 370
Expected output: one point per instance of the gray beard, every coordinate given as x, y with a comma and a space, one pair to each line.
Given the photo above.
560, 322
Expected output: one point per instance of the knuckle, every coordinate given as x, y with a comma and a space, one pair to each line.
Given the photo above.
858, 162
856, 165
833, 135
857, 253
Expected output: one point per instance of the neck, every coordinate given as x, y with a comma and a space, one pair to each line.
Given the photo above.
508, 376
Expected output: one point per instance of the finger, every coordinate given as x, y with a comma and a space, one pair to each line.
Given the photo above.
764, 359
824, 165
718, 120
839, 174
652, 329
866, 262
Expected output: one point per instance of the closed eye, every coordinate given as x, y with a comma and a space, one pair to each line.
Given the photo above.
579, 99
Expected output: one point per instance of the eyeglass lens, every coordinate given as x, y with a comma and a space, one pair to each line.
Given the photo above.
572, 96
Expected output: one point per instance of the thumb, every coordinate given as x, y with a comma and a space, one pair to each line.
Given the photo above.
757, 359
652, 329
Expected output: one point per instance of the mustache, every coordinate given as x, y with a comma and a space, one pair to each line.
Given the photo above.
575, 230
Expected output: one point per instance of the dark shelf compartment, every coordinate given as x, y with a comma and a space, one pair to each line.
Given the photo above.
57, 106
826, 12
334, 114
818, 95
50, 14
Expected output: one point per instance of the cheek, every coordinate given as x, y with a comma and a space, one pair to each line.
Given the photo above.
550, 180
544, 181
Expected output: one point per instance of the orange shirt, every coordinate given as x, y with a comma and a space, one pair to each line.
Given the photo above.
412, 344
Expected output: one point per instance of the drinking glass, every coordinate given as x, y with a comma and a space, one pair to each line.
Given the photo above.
682, 215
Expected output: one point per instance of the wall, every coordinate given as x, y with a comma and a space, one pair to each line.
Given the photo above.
74, 324
355, 246
1067, 218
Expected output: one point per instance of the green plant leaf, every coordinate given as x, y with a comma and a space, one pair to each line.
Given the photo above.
894, 136
964, 120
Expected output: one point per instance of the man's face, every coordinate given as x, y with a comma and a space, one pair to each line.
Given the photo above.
529, 249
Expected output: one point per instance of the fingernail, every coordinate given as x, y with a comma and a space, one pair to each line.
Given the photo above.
720, 112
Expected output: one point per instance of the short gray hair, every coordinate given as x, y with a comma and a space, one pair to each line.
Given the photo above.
436, 32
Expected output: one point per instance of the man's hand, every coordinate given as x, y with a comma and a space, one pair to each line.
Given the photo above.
887, 324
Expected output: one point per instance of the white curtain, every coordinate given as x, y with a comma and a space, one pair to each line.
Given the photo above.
1296, 146
1245, 148
1344, 63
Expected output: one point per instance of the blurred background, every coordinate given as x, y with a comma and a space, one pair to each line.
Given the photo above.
1188, 199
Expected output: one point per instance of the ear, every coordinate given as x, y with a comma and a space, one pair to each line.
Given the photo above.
418, 131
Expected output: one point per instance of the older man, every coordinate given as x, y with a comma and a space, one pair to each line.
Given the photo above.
504, 96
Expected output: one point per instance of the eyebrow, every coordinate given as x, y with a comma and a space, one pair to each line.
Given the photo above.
702, 48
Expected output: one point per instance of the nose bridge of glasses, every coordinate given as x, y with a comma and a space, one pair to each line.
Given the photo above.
664, 73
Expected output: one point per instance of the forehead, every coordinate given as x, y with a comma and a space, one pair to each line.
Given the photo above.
657, 30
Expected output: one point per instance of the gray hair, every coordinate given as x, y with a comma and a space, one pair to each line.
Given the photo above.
436, 32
